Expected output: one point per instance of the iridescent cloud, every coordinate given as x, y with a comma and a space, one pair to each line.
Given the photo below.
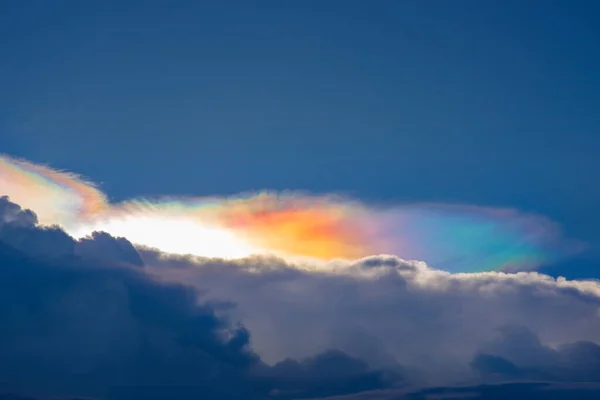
453, 237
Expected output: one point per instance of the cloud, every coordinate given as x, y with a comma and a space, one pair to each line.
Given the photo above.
78, 324
113, 334
329, 373
388, 311
11, 213
98, 318
101, 245
56, 196
74, 325
530, 359
292, 225
515, 390
19, 229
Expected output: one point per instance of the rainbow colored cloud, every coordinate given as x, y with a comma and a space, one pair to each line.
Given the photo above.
452, 237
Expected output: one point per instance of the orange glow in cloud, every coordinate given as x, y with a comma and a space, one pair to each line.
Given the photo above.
300, 226
264, 223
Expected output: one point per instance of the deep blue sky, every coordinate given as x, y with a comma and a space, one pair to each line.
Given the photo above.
487, 102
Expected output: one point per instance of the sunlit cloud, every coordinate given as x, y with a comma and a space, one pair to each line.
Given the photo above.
454, 237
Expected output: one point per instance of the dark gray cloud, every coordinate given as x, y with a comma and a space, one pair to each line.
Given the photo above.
19, 229
110, 332
536, 390
329, 373
518, 353
11, 213
101, 245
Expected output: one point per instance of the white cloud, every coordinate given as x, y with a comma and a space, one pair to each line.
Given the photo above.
384, 308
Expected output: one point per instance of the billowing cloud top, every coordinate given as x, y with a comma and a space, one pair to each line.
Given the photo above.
290, 225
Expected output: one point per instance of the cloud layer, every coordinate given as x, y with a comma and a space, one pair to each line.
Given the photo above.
388, 310
96, 317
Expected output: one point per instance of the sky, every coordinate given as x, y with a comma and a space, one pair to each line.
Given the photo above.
357, 154
475, 102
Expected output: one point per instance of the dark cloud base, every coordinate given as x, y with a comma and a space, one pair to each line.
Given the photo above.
504, 391
86, 318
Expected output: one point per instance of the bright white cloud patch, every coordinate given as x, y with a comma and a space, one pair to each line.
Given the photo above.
157, 232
